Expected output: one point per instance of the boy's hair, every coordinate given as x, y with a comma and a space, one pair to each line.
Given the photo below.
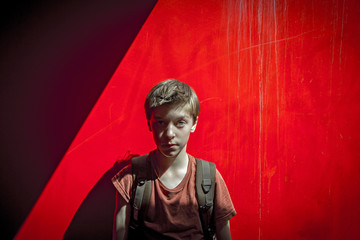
172, 92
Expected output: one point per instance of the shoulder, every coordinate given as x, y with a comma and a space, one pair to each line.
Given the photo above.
123, 180
196, 159
214, 170
202, 164
126, 171
122, 173
219, 178
139, 159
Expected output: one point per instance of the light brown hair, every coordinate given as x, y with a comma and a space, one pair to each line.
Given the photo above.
172, 92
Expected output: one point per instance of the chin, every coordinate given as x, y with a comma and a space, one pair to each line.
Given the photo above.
169, 153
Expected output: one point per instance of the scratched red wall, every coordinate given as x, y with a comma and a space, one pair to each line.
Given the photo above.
278, 86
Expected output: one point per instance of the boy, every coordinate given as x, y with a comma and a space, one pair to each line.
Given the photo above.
172, 110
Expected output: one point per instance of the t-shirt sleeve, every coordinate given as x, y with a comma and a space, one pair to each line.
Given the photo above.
123, 181
223, 207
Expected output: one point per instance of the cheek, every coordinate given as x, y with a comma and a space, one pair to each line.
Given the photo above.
185, 134
156, 133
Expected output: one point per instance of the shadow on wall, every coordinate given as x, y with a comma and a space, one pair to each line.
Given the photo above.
94, 218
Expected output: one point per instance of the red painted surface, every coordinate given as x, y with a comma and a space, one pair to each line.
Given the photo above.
279, 90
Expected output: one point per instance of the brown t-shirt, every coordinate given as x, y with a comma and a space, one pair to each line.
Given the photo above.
174, 212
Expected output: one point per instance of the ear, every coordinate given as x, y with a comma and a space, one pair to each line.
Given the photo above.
194, 125
149, 125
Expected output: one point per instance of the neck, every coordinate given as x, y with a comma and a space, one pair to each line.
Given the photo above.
178, 161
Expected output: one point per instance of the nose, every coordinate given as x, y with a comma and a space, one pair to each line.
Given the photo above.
170, 134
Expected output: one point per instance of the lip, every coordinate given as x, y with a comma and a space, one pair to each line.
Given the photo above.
169, 145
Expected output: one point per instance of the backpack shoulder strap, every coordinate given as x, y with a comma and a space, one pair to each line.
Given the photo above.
205, 191
141, 170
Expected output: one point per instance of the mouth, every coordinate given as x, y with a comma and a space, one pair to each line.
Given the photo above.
169, 145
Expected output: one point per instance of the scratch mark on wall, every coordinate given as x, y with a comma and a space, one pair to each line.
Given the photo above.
116, 121
110, 111
210, 99
277, 78
269, 173
202, 66
260, 10
342, 32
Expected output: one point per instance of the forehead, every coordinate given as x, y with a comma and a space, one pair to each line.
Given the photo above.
170, 111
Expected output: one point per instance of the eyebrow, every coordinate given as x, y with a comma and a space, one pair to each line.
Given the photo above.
184, 116
180, 117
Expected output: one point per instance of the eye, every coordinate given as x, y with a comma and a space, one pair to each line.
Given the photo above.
181, 123
160, 122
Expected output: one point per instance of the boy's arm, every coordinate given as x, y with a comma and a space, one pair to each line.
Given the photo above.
122, 219
223, 231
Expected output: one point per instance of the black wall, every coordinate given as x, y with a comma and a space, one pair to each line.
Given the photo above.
55, 60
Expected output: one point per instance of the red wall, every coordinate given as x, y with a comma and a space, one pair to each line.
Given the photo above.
278, 89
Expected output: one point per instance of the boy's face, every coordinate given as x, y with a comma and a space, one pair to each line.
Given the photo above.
171, 127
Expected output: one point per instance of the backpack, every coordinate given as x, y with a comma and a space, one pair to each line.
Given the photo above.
142, 187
